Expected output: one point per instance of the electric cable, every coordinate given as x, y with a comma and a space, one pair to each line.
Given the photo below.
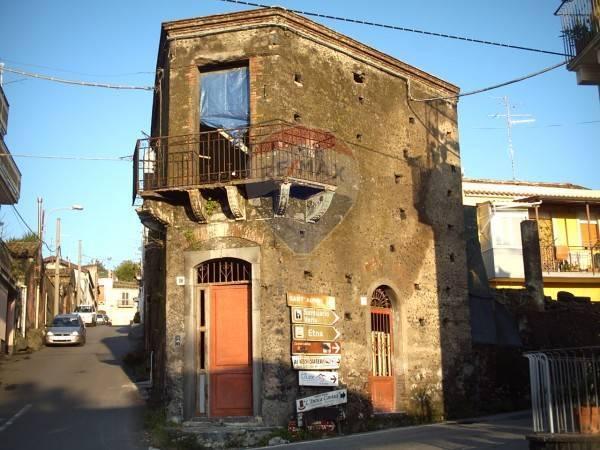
76, 82
489, 88
29, 228
126, 158
398, 28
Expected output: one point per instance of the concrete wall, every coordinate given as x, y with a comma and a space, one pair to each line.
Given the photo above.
395, 220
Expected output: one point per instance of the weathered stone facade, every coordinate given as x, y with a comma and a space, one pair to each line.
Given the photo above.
395, 219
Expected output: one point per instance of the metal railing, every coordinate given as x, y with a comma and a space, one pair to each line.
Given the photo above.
564, 390
570, 258
256, 153
580, 20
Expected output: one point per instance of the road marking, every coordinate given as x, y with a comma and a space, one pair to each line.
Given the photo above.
15, 417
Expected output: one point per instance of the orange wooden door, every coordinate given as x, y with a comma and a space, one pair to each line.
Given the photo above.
230, 351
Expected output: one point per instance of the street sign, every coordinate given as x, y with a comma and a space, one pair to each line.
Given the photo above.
314, 316
321, 400
317, 378
316, 348
316, 362
314, 333
311, 300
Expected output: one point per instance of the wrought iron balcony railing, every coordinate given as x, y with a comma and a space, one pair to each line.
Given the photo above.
563, 258
580, 24
277, 151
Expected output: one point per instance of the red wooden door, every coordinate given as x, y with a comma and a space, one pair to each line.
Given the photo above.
230, 351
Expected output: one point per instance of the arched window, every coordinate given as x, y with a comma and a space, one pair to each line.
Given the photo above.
381, 333
224, 270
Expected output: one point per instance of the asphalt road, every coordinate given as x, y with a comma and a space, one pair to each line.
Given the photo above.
506, 432
63, 398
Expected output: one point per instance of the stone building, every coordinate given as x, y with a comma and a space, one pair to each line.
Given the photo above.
288, 160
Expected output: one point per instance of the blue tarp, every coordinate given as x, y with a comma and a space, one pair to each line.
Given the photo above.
224, 98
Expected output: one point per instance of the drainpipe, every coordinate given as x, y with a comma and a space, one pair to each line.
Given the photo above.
589, 227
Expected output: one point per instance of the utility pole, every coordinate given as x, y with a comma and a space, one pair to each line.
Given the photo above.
509, 123
56, 269
40, 203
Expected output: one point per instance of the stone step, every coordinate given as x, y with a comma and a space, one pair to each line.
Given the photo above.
219, 434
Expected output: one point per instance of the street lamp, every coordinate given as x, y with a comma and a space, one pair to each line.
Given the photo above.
41, 223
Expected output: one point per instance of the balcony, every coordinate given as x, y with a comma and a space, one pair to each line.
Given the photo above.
10, 177
571, 259
278, 154
3, 113
581, 38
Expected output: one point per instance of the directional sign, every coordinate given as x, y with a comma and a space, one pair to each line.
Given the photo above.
311, 300
316, 348
314, 332
314, 316
322, 400
316, 362
317, 378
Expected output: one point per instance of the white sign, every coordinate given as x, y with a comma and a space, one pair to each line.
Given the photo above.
180, 281
316, 362
316, 378
322, 400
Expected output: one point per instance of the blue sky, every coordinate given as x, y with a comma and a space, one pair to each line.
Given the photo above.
116, 42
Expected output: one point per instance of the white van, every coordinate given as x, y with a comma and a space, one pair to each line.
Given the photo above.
87, 314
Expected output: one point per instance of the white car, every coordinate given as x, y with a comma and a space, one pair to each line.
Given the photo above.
87, 314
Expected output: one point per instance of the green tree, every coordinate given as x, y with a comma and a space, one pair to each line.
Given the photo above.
127, 270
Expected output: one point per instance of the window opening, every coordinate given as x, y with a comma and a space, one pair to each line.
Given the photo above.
224, 116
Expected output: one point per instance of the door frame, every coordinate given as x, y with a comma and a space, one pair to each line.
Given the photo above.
192, 259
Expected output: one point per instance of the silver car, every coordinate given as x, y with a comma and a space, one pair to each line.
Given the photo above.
66, 329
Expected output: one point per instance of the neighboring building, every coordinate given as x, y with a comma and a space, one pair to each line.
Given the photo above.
581, 36
9, 301
67, 286
10, 188
567, 216
119, 299
28, 271
251, 203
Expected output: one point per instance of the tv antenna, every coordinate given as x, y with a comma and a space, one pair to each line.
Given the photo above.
510, 121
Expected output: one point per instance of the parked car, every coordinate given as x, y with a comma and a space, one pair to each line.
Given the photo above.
66, 329
102, 319
87, 313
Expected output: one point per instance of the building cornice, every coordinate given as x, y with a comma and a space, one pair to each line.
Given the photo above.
278, 17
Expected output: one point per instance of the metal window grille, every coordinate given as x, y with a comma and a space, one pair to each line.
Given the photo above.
225, 270
564, 390
381, 334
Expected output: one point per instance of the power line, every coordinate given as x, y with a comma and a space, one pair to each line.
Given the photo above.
395, 27
29, 228
76, 82
495, 86
76, 72
126, 158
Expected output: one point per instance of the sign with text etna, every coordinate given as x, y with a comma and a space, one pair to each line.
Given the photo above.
303, 332
331, 398
311, 300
